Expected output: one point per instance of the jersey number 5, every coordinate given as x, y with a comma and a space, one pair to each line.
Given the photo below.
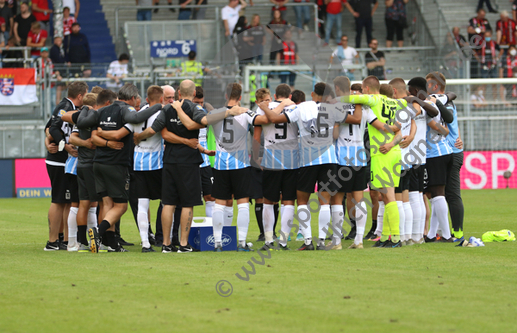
227, 130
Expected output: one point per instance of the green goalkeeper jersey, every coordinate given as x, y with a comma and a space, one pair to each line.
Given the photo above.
385, 110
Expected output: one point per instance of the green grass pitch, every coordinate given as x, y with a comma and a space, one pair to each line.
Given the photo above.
433, 287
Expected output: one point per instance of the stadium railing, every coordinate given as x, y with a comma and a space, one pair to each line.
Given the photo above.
27, 59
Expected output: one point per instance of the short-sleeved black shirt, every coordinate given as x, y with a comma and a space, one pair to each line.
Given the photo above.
65, 128
24, 26
363, 7
180, 153
371, 57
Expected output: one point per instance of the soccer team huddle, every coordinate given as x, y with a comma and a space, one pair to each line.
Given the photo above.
400, 141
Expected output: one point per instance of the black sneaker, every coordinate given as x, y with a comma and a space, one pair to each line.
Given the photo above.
95, 242
305, 247
218, 248
429, 240
369, 234
148, 249
321, 247
184, 249
267, 247
394, 245
246, 248
380, 244
121, 241
282, 248
54, 246
63, 245
351, 234
152, 239
261, 238
443, 240
119, 248
169, 249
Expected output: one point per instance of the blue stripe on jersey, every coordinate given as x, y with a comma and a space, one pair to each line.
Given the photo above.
351, 156
453, 129
71, 165
278, 159
310, 156
206, 160
440, 148
235, 160
148, 161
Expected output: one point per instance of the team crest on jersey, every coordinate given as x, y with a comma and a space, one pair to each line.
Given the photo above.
62, 113
131, 108
7, 86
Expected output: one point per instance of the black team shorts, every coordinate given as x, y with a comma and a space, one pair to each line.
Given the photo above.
437, 169
405, 179
148, 184
352, 178
207, 180
59, 184
112, 181
73, 187
181, 185
256, 183
86, 184
310, 175
416, 181
280, 181
231, 182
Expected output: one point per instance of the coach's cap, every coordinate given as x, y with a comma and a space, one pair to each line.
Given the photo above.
44, 49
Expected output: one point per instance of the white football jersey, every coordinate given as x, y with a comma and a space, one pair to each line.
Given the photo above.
148, 153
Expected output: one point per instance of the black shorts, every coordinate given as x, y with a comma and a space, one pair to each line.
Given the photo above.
416, 181
148, 184
86, 184
228, 182
280, 181
405, 179
320, 174
256, 183
112, 181
59, 184
351, 179
207, 180
181, 185
437, 169
73, 187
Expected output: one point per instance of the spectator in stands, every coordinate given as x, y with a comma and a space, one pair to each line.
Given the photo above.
77, 50
509, 70
334, 15
256, 38
514, 10
74, 6
488, 6
11, 54
144, 14
477, 27
41, 13
57, 55
375, 61
185, 12
363, 12
449, 54
45, 62
240, 39
230, 15
459, 38
288, 56
278, 26
396, 21
192, 69
36, 39
322, 16
279, 5
346, 55
303, 15
506, 30
478, 98
68, 20
22, 24
117, 71
200, 13
168, 2
8, 17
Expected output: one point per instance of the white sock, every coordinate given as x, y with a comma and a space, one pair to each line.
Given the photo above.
209, 206
282, 206
243, 221
286, 222
268, 220
433, 223
380, 216
442, 215
402, 220
361, 215
72, 226
218, 222
228, 216
92, 218
414, 201
324, 221
337, 223
304, 217
143, 221
408, 227
422, 216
